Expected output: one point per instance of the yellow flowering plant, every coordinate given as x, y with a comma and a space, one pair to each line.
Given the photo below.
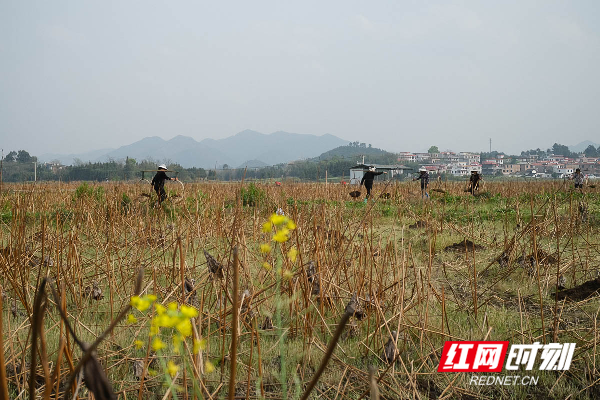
281, 228
174, 321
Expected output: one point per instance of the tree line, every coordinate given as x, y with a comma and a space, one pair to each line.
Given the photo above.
18, 166
20, 156
126, 170
561, 149
131, 170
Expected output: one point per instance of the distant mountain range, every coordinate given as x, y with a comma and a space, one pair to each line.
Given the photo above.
247, 148
578, 148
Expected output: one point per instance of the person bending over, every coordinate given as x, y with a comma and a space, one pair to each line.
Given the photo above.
424, 178
474, 180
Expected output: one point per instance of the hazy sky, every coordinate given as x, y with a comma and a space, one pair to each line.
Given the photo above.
402, 75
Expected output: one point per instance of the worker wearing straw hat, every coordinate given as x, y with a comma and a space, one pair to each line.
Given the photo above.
367, 180
424, 178
158, 182
474, 180
578, 177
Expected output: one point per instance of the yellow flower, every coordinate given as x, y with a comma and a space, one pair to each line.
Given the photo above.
172, 368
139, 303
153, 330
265, 248
291, 225
164, 321
138, 344
177, 339
189, 312
152, 372
278, 219
131, 319
142, 303
209, 367
158, 344
287, 274
292, 254
160, 309
267, 266
282, 235
199, 345
266, 228
184, 327
172, 306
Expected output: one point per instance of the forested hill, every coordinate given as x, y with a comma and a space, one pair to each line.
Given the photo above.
355, 153
337, 162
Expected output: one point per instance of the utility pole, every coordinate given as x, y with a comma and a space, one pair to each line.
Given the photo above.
1, 160
35, 171
490, 145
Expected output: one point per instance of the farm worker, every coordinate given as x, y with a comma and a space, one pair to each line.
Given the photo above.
578, 178
474, 181
424, 178
367, 180
158, 182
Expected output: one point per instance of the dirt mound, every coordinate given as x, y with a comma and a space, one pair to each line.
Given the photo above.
542, 257
438, 190
580, 292
465, 244
418, 224
354, 194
